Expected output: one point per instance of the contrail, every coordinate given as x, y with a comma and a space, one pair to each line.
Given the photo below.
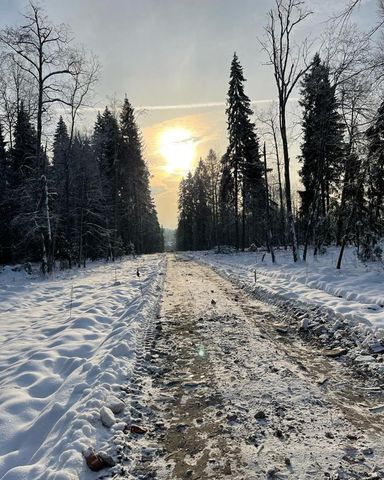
202, 105
184, 106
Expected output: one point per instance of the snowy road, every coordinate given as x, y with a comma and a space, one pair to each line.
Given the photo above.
226, 392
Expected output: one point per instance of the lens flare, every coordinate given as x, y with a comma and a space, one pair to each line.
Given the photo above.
201, 351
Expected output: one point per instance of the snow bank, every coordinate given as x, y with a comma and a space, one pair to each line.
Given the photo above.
356, 291
59, 369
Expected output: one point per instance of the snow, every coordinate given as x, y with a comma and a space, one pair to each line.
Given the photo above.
77, 352
64, 361
356, 292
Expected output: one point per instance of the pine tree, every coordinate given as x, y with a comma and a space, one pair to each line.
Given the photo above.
243, 151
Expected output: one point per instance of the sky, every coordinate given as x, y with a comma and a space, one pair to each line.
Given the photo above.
171, 58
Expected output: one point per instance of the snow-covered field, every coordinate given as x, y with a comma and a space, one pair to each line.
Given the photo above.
356, 291
62, 360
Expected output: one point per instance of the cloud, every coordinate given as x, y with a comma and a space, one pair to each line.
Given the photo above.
190, 139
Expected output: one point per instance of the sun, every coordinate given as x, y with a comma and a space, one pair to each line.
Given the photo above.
178, 147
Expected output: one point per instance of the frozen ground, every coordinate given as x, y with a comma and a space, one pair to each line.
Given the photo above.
58, 367
356, 291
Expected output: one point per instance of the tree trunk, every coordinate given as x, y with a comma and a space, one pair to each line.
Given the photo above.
40, 165
288, 200
282, 209
236, 178
50, 256
269, 228
80, 254
243, 221
344, 195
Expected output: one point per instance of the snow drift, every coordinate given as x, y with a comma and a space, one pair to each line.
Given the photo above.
68, 345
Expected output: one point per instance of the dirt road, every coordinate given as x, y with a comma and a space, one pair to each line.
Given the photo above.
226, 392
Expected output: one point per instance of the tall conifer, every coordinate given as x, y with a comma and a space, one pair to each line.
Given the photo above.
243, 151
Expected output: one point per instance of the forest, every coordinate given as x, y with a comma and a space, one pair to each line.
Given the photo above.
66, 196
245, 199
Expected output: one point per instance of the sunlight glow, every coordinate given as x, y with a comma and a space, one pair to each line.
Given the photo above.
178, 147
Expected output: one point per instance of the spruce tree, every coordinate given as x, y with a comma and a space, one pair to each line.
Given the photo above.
90, 233
212, 165
185, 227
23, 154
5, 204
3, 164
105, 145
322, 150
139, 223
226, 203
25, 188
199, 206
243, 152
134, 178
202, 224
61, 205
92, 201
375, 192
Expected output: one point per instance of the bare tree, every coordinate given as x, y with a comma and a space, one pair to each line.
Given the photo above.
289, 65
84, 75
269, 120
43, 52
14, 89
351, 6
350, 53
76, 94
356, 70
